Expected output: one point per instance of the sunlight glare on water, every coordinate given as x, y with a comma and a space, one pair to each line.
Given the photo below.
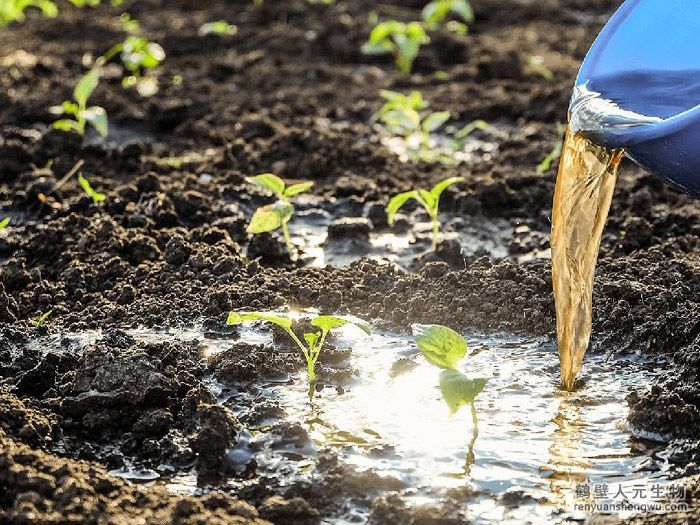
531, 437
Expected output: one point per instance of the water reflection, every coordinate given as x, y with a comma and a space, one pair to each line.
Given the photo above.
568, 462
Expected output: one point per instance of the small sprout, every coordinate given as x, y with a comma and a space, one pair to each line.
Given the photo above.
400, 39
130, 25
96, 116
543, 167
39, 321
461, 136
536, 62
314, 340
220, 27
444, 348
138, 55
13, 10
430, 200
436, 12
404, 115
4, 223
273, 216
94, 195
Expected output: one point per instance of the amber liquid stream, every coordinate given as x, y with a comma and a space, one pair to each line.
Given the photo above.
584, 189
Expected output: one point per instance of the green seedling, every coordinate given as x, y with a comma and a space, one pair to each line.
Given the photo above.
39, 321
536, 62
445, 348
395, 101
430, 200
138, 55
460, 138
436, 13
405, 116
13, 10
77, 108
546, 164
400, 39
96, 196
272, 216
220, 27
313, 340
4, 223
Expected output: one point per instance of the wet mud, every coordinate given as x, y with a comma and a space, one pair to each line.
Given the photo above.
85, 395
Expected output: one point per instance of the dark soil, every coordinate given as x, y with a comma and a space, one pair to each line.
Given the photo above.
290, 93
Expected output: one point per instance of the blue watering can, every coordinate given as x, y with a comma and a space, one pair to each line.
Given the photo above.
639, 89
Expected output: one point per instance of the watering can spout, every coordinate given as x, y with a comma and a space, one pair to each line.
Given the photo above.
639, 89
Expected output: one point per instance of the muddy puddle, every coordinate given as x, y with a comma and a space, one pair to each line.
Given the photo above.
323, 239
481, 145
533, 449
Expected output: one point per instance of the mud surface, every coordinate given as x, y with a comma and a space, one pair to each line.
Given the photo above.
290, 93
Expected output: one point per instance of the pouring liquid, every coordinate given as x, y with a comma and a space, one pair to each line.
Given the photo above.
584, 189
585, 184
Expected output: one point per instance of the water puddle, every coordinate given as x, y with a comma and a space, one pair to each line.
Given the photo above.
533, 449
478, 146
309, 231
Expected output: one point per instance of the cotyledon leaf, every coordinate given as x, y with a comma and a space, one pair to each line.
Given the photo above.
440, 345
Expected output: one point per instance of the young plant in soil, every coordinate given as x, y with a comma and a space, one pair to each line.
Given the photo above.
96, 196
313, 340
220, 27
445, 348
77, 108
430, 200
4, 223
436, 13
138, 55
277, 215
13, 10
400, 39
39, 321
404, 115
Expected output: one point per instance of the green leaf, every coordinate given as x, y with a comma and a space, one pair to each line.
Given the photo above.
70, 108
235, 318
329, 322
296, 189
463, 9
435, 120
311, 339
67, 125
443, 185
396, 202
428, 201
473, 126
402, 119
220, 27
269, 181
86, 86
4, 223
377, 48
270, 217
97, 117
440, 345
458, 389
384, 30
95, 195
42, 319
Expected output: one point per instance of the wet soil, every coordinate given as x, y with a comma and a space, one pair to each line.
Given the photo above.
290, 93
